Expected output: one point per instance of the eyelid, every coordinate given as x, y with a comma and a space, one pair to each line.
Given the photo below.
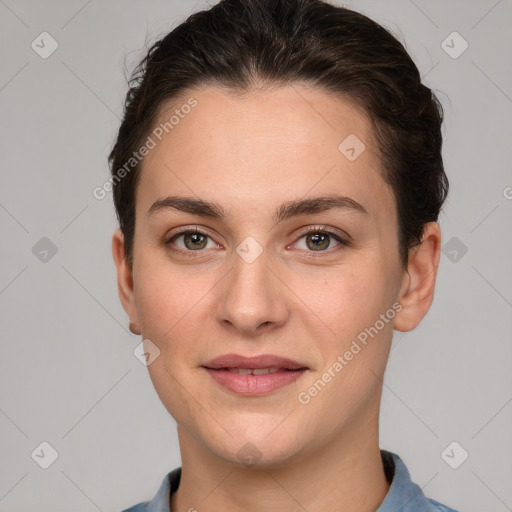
189, 229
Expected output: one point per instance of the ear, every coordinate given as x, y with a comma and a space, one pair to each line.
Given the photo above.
125, 280
417, 290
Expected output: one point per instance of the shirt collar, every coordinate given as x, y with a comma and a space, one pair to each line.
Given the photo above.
403, 494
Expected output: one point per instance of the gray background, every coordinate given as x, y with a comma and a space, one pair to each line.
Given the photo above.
68, 375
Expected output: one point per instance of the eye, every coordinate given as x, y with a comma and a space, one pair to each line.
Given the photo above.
319, 239
192, 239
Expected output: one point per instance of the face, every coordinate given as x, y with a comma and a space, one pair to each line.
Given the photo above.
272, 268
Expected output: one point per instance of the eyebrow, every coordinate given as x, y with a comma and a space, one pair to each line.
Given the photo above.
285, 211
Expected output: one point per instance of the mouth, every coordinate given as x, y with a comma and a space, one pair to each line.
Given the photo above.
254, 376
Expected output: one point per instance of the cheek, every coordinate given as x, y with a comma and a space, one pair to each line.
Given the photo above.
169, 309
354, 351
352, 307
175, 308
353, 300
163, 297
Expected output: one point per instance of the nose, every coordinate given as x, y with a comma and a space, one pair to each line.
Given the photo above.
253, 299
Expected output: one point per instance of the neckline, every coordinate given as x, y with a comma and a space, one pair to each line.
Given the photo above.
388, 462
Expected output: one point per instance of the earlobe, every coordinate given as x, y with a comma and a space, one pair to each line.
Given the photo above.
134, 328
125, 280
418, 284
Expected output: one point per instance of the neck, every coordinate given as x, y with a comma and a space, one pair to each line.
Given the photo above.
344, 474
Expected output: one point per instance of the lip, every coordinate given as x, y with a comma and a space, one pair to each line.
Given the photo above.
261, 361
254, 385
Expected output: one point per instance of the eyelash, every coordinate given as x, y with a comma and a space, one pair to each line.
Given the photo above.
323, 230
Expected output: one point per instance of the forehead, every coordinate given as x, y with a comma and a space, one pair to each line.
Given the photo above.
253, 150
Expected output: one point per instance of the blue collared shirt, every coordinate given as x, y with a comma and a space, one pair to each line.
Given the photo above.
403, 494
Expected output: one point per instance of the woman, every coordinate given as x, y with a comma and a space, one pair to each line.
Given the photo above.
277, 179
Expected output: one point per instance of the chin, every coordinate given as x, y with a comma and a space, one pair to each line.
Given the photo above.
255, 447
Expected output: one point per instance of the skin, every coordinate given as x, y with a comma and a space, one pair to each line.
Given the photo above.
250, 154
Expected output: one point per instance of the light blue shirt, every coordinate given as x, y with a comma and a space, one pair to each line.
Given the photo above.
403, 494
